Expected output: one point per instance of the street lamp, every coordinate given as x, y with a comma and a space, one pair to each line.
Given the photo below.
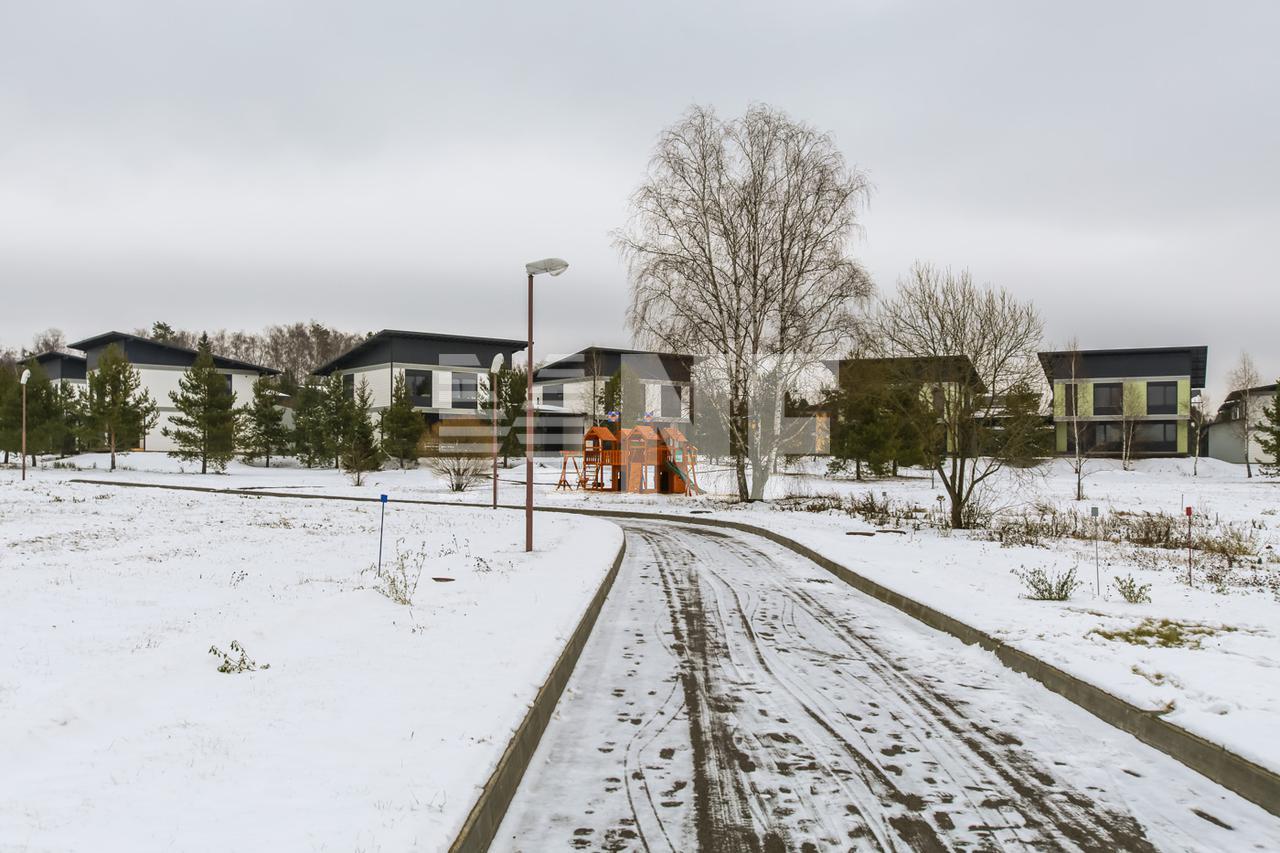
493, 405
550, 266
26, 375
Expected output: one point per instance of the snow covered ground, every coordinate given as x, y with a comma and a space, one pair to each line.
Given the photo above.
368, 725
1213, 666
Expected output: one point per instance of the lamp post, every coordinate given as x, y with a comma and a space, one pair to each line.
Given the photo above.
493, 406
26, 375
550, 266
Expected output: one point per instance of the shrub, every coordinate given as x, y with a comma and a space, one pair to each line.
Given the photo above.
1132, 591
230, 664
398, 578
1048, 586
459, 472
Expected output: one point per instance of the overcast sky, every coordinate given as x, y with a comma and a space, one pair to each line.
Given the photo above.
394, 164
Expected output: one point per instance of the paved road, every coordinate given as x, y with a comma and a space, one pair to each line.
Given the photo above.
735, 697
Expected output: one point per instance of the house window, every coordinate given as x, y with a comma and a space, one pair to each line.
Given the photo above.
1108, 397
1109, 437
464, 390
228, 378
1162, 398
1155, 436
349, 385
553, 395
670, 405
1071, 395
418, 384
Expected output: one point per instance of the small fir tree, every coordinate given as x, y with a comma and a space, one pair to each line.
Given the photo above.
360, 451
10, 418
204, 426
309, 443
118, 411
336, 418
264, 433
511, 390
1269, 434
400, 425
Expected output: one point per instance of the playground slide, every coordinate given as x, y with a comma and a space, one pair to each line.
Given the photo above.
690, 486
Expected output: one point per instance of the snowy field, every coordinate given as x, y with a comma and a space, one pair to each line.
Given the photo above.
368, 724
1206, 655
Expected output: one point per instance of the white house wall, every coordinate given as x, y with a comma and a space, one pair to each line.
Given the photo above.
381, 379
162, 381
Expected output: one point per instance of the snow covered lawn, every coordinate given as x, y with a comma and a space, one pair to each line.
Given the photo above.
368, 724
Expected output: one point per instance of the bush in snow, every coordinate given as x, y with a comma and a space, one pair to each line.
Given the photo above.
231, 664
459, 472
1132, 591
1046, 586
398, 578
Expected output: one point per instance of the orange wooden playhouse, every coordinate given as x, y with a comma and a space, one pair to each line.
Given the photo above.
641, 459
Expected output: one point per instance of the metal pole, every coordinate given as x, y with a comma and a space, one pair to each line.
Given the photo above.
493, 404
382, 524
24, 432
528, 432
1190, 579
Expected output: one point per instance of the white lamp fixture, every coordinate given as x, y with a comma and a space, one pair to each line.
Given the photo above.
551, 266
26, 374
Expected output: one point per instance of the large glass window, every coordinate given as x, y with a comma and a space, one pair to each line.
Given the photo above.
418, 384
1108, 397
1156, 436
349, 385
670, 401
464, 390
1162, 398
553, 395
1109, 437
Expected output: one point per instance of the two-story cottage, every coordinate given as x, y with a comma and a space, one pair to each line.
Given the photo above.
160, 365
1100, 394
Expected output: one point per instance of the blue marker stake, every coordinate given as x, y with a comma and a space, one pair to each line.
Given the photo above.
381, 526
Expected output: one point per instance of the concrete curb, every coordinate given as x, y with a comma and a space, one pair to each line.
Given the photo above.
1230, 770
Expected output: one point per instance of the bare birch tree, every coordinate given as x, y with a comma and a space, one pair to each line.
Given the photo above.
1243, 377
738, 247
1201, 407
1080, 455
1132, 412
973, 350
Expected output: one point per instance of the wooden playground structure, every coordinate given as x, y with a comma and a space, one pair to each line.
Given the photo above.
657, 459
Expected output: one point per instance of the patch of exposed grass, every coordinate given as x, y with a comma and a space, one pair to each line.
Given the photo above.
1165, 633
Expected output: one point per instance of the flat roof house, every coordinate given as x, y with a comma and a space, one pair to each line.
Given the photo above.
1097, 394
446, 375
159, 366
569, 394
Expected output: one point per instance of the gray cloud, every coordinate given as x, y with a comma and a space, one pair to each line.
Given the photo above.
394, 164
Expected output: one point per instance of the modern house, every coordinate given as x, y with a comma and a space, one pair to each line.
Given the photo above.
1226, 433
63, 366
160, 365
1105, 394
447, 376
650, 385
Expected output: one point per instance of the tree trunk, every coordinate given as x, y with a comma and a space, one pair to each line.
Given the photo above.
112, 437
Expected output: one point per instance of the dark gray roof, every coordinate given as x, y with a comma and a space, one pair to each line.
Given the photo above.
648, 364
1197, 356
107, 338
401, 345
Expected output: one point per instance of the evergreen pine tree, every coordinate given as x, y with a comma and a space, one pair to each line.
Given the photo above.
336, 419
264, 433
118, 411
204, 426
308, 426
1269, 435
400, 425
69, 406
43, 418
360, 451
511, 400
10, 409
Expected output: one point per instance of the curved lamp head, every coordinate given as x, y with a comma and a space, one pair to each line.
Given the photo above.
26, 374
553, 266
498, 361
